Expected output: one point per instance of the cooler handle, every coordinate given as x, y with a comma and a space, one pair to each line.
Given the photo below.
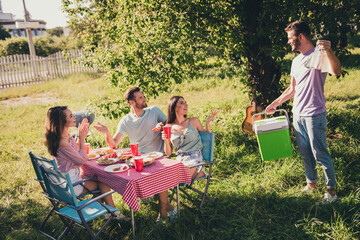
278, 110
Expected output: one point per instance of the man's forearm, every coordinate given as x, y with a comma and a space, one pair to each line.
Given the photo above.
109, 140
285, 96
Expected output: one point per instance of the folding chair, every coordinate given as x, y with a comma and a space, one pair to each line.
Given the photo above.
207, 151
90, 117
38, 161
61, 193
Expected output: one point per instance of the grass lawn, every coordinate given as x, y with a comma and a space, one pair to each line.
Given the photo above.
254, 199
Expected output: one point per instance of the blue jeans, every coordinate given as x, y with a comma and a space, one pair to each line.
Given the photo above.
310, 135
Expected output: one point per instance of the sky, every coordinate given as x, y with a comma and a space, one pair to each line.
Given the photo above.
47, 10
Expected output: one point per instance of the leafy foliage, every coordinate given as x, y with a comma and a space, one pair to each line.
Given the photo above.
3, 33
154, 44
44, 45
56, 31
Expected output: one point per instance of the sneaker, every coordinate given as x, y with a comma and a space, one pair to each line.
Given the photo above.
118, 216
328, 198
160, 221
307, 189
172, 215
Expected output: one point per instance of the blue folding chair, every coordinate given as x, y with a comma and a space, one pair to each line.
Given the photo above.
61, 193
208, 141
38, 161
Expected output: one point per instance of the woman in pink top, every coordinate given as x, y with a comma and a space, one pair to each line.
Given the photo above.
69, 155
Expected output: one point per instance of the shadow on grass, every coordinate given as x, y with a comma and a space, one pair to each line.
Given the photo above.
22, 219
345, 121
250, 216
352, 61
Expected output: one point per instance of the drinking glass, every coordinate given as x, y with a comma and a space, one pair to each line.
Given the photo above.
134, 149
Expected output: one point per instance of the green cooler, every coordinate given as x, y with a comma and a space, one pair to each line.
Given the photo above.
273, 136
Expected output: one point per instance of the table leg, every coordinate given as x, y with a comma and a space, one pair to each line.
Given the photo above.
133, 222
178, 199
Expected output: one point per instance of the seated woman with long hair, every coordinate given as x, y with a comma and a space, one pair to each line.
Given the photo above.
185, 135
69, 155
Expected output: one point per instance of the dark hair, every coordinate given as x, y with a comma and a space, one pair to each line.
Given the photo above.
54, 126
171, 109
129, 94
299, 27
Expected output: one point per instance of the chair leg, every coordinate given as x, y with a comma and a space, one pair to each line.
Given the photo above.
178, 199
84, 223
172, 194
133, 222
45, 220
66, 230
205, 193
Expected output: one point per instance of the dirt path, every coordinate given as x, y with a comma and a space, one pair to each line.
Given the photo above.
40, 99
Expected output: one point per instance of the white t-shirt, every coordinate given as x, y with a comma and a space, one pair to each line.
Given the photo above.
139, 129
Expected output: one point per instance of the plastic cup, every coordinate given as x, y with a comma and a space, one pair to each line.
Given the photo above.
167, 130
139, 164
134, 149
87, 148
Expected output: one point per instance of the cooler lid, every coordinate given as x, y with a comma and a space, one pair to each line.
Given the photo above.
271, 124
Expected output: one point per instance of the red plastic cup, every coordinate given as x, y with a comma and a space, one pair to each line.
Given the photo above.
167, 130
87, 148
134, 149
139, 164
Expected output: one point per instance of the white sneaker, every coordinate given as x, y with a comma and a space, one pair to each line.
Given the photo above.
329, 199
306, 189
172, 215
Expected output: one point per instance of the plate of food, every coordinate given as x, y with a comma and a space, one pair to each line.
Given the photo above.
93, 156
153, 155
124, 158
147, 161
106, 161
105, 151
117, 168
125, 151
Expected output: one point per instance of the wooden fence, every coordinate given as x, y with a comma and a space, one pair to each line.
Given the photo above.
22, 69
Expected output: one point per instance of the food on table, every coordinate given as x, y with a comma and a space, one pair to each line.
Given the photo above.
124, 158
153, 155
104, 161
105, 151
91, 155
120, 168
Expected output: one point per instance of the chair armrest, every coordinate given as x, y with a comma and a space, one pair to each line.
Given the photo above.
201, 164
95, 199
83, 180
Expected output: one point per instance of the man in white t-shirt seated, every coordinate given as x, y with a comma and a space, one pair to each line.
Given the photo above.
142, 125
138, 124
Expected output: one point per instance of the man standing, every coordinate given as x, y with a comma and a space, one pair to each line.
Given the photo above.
138, 124
307, 88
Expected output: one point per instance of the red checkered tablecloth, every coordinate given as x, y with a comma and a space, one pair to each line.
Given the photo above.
160, 176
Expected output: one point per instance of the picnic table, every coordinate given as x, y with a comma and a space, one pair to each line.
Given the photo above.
160, 176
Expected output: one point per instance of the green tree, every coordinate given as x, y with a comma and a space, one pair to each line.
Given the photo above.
56, 31
3, 33
154, 44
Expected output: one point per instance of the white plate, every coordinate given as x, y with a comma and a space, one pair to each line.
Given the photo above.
147, 162
108, 161
116, 168
152, 155
97, 155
